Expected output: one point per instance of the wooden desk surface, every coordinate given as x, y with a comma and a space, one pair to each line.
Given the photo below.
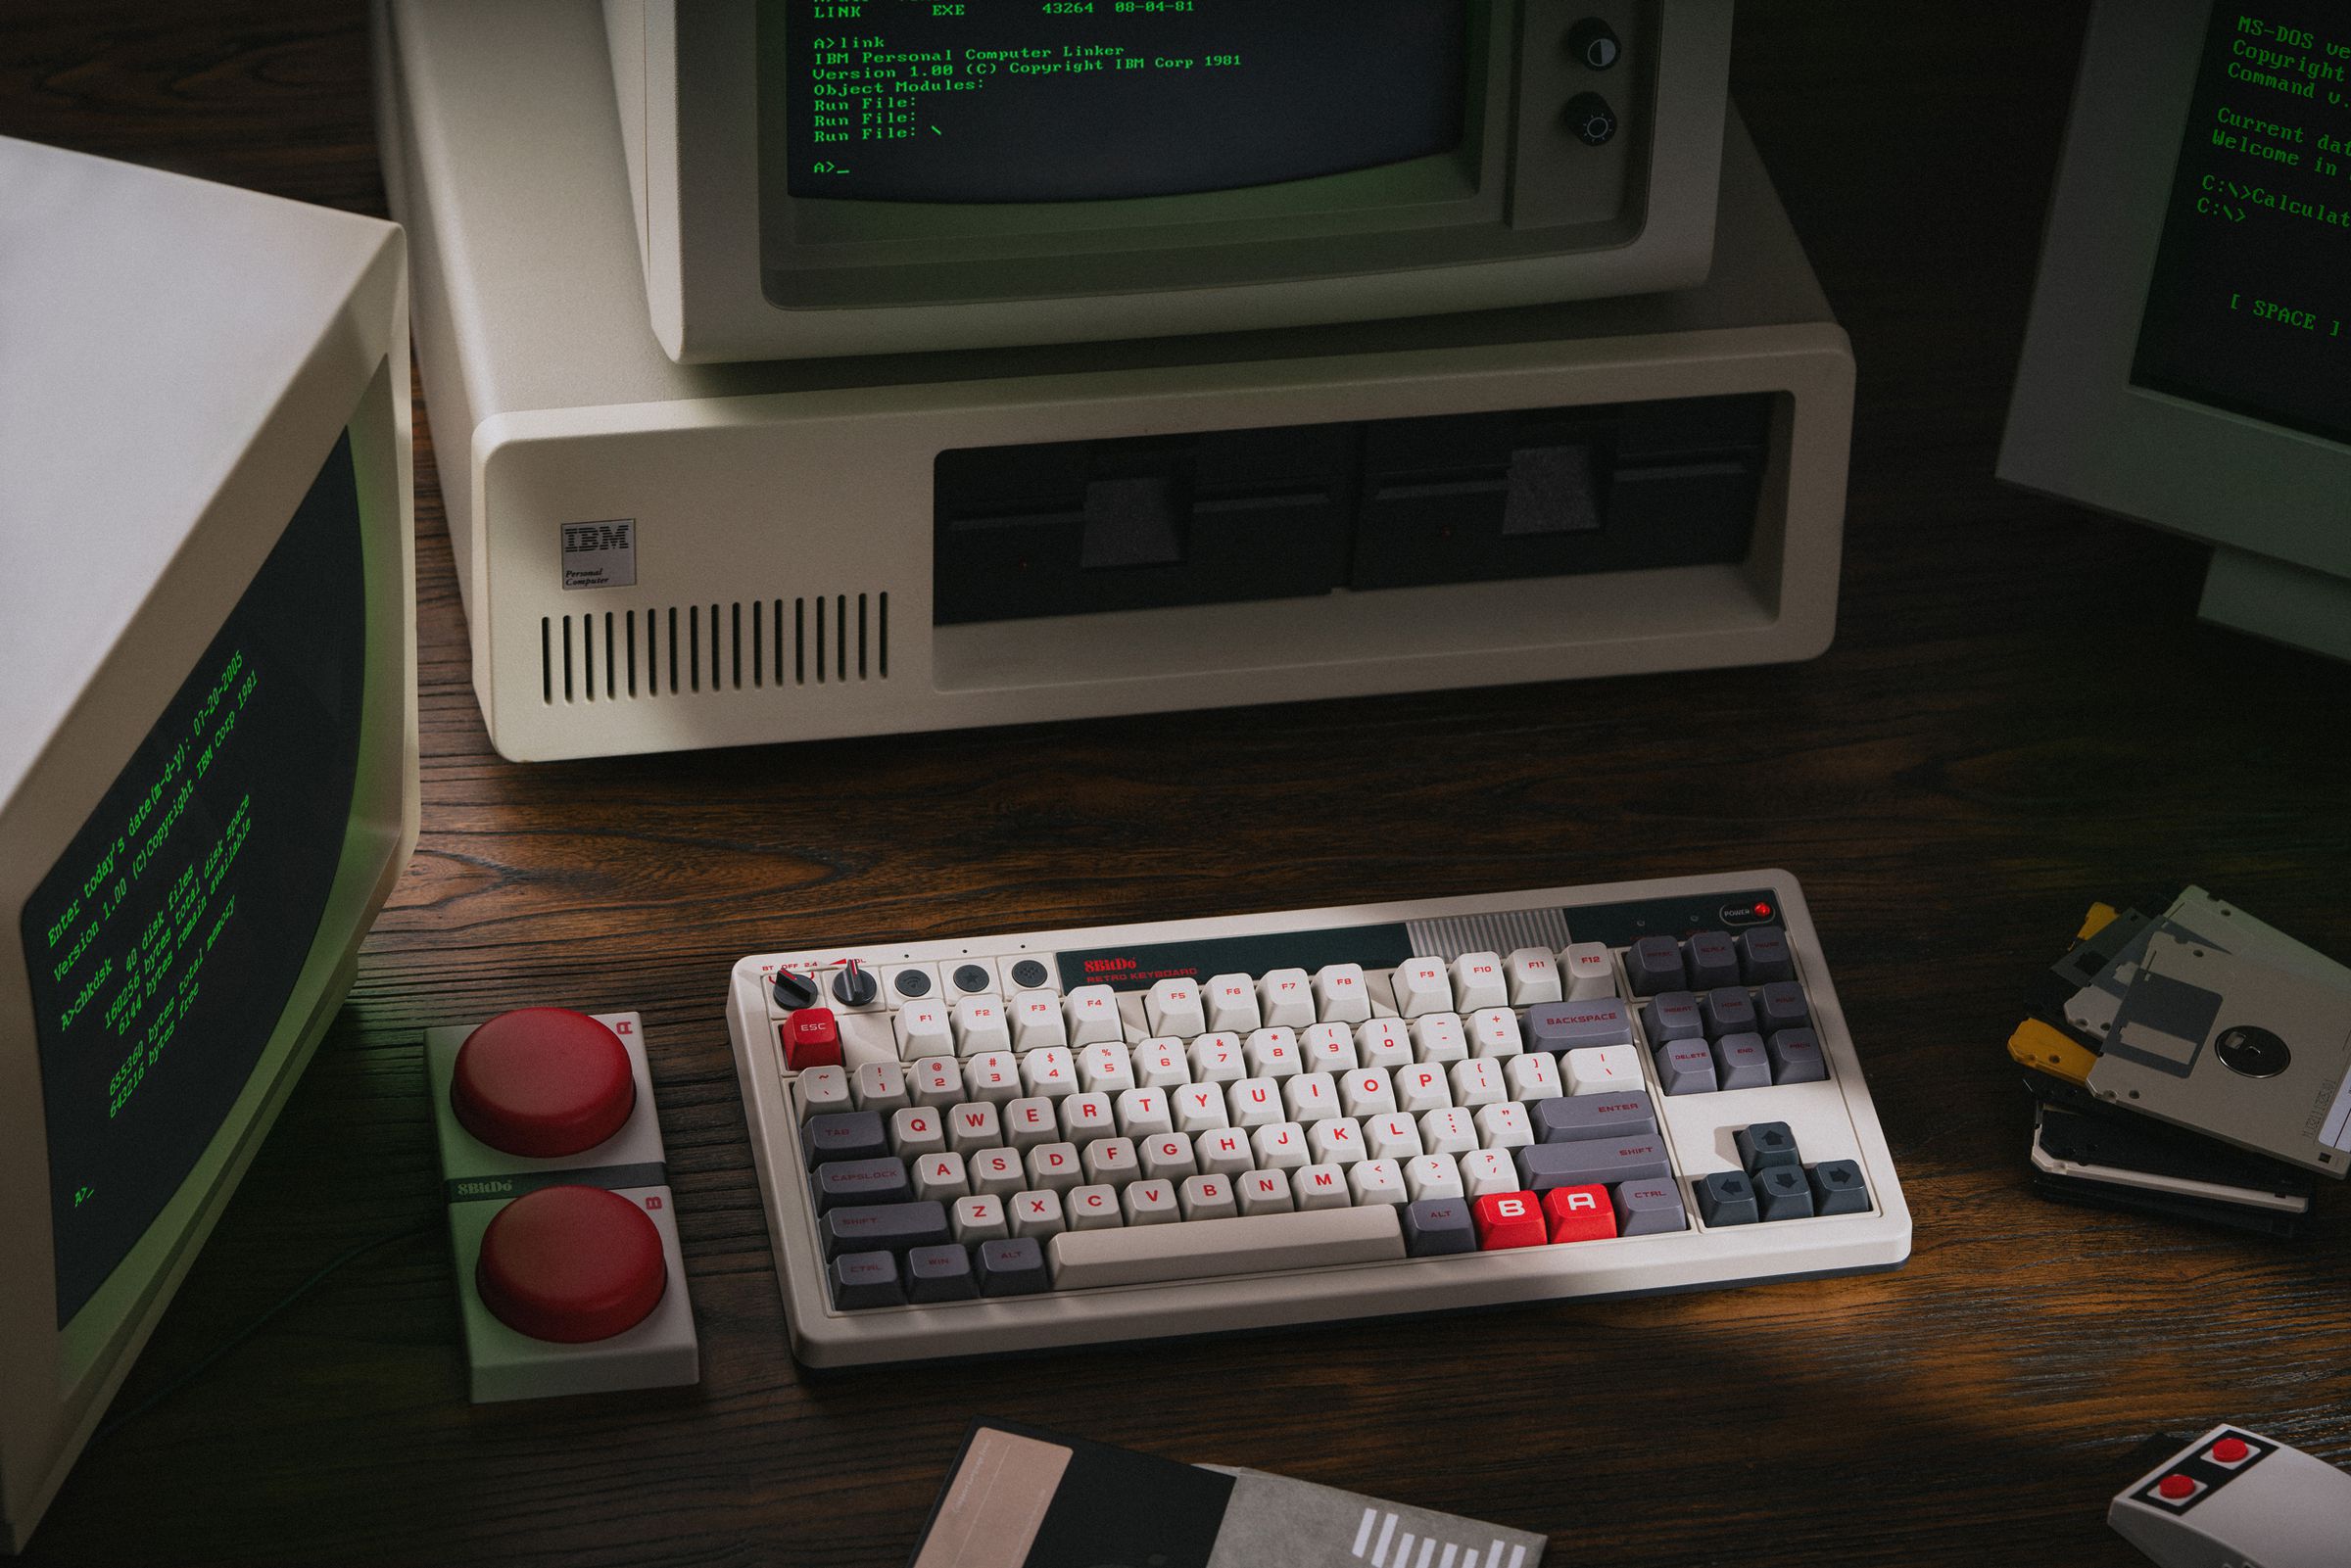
2020, 714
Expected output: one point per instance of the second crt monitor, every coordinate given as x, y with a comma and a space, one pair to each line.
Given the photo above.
825, 178
2187, 361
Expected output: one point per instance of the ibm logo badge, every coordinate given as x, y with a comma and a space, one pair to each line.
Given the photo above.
601, 555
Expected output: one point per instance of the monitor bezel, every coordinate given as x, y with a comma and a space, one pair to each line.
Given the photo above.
2078, 426
60, 1377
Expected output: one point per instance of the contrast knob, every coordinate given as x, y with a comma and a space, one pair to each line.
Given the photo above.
794, 991
543, 1082
570, 1264
855, 985
1593, 43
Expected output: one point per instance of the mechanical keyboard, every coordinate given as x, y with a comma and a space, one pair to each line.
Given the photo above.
1117, 1132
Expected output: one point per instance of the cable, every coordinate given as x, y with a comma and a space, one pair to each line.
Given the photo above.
116, 1423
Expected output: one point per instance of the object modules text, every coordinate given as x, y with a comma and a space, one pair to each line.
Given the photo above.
139, 980
863, 86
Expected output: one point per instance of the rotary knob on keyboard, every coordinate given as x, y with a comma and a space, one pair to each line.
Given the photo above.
543, 1082
794, 991
571, 1265
855, 985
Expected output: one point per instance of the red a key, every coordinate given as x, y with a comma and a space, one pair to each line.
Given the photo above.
1506, 1219
811, 1039
1580, 1213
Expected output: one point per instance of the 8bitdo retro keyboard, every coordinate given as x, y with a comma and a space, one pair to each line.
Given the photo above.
1014, 1142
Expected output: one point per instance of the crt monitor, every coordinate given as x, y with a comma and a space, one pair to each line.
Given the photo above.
827, 178
2187, 361
208, 736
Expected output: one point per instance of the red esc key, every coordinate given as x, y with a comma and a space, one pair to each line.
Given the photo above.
1580, 1213
1506, 1219
811, 1038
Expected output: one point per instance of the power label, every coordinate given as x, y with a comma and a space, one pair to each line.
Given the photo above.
601, 555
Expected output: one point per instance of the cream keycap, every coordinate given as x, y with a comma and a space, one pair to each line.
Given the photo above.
1233, 1003
1479, 982
1422, 987
1591, 971
1600, 1069
922, 1031
1533, 973
1142, 1255
1092, 1014
1036, 1021
981, 1025
1340, 995
1172, 1007
1287, 997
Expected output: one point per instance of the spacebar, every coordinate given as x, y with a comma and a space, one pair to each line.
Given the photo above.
1197, 1249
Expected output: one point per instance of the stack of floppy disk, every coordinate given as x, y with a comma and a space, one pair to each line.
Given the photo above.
2195, 1064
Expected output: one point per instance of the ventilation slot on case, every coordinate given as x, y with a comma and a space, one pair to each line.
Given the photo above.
685, 649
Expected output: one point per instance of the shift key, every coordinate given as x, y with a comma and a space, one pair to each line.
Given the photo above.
1592, 1161
1577, 1118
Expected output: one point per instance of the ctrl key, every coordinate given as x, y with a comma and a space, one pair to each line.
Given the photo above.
1648, 1208
866, 1279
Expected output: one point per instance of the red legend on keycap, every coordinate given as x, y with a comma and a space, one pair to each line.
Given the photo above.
811, 1039
1580, 1213
1506, 1219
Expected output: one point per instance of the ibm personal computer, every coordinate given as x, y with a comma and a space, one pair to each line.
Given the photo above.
207, 741
2186, 361
1134, 395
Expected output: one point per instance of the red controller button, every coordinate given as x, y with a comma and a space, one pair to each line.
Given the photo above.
1580, 1213
2176, 1488
2231, 1451
811, 1038
571, 1265
543, 1082
1506, 1219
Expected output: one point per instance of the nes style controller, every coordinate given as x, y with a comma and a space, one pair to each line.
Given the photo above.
2233, 1498
560, 1210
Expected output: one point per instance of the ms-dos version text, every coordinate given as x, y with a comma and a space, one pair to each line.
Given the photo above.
164, 943
2252, 282
1079, 100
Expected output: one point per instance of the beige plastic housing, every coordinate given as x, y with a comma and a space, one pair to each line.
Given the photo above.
176, 360
781, 513
1522, 214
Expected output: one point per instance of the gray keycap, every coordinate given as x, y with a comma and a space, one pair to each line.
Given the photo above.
1741, 1062
1029, 974
860, 1182
1727, 1197
1686, 1066
940, 1273
1727, 1010
1763, 955
1838, 1188
1590, 1162
1648, 1208
1436, 1225
1576, 1118
1014, 1267
883, 1227
1556, 1026
1765, 1144
844, 1135
1713, 960
1672, 1016
1795, 1057
1654, 964
866, 1279
1780, 1005
1784, 1192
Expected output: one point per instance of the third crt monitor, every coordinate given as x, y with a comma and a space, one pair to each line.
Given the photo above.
828, 177
2187, 361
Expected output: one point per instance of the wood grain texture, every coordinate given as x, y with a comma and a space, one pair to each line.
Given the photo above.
2020, 714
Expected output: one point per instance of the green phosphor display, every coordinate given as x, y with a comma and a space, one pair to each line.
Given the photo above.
2252, 283
1087, 100
165, 941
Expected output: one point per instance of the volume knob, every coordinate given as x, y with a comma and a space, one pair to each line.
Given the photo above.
543, 1082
